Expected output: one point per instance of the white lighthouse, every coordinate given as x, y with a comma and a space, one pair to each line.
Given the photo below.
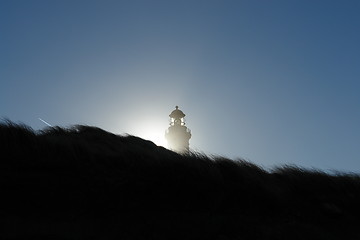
178, 135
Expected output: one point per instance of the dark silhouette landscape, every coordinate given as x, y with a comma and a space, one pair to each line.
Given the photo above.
85, 183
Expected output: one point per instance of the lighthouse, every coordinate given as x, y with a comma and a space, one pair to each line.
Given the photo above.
178, 135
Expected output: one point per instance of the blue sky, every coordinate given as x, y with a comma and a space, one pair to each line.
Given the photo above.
274, 82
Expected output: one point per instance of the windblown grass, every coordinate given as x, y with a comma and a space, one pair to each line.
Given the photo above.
85, 183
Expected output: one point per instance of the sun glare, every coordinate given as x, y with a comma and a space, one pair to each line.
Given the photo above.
156, 136
152, 130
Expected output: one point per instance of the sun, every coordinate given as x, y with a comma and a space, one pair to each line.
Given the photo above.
152, 130
156, 136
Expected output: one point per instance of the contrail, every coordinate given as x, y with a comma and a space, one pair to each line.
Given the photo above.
45, 122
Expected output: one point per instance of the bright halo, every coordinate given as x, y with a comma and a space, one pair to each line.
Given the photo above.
157, 137
152, 130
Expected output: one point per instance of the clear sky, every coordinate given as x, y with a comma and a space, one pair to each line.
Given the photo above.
274, 82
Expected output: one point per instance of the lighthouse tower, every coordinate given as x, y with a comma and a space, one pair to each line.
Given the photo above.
178, 135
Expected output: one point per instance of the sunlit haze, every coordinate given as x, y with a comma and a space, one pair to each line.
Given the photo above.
274, 82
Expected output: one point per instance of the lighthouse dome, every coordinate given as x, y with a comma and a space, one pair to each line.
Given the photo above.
177, 114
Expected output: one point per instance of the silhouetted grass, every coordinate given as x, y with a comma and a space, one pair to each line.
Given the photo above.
85, 183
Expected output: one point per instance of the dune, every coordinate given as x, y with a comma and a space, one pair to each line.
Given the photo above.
83, 182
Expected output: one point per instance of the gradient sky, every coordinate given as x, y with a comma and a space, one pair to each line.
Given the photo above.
274, 82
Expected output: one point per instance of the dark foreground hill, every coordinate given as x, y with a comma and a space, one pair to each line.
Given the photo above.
86, 183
